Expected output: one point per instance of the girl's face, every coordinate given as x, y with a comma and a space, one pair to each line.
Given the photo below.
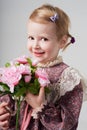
42, 41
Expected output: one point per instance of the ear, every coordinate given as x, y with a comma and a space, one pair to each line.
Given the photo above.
63, 41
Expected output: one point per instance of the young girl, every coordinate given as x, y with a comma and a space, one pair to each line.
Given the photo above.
48, 33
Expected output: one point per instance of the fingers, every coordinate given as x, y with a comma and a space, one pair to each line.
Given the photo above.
4, 125
36, 100
2, 108
3, 104
41, 94
4, 116
4, 121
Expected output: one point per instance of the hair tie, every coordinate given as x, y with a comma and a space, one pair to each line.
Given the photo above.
54, 17
72, 40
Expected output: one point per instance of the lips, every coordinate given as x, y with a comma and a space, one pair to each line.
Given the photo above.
38, 54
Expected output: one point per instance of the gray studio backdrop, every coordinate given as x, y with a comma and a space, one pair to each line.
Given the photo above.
13, 34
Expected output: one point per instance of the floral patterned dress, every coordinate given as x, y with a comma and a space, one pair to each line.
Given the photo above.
63, 104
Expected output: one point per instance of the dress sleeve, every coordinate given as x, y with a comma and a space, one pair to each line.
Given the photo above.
64, 114
72, 77
7, 98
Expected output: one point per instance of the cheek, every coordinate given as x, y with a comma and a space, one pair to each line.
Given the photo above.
50, 49
53, 50
29, 47
46, 47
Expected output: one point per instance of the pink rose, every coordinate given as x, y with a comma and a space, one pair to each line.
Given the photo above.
11, 77
22, 60
42, 77
23, 69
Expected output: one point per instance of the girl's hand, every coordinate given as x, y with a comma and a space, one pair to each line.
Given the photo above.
35, 100
4, 116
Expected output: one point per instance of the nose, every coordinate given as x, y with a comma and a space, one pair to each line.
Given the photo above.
36, 44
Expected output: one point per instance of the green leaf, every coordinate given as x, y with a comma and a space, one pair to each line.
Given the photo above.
7, 64
33, 90
21, 92
36, 82
33, 68
4, 93
17, 64
5, 86
29, 61
22, 82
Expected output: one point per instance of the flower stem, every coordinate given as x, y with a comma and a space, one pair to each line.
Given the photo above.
17, 114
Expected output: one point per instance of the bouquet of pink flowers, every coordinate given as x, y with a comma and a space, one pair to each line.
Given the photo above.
20, 76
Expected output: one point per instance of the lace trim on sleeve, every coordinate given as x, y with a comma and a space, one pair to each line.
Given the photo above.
38, 109
68, 80
84, 84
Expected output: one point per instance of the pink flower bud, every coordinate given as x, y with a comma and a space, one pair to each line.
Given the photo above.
35, 62
27, 78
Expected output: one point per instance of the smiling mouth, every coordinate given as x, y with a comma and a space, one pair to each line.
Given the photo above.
38, 54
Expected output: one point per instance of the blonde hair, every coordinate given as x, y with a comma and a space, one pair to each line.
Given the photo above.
43, 14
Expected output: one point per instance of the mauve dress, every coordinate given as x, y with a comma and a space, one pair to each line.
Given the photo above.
63, 102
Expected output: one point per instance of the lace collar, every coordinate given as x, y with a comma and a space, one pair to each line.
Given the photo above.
58, 60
